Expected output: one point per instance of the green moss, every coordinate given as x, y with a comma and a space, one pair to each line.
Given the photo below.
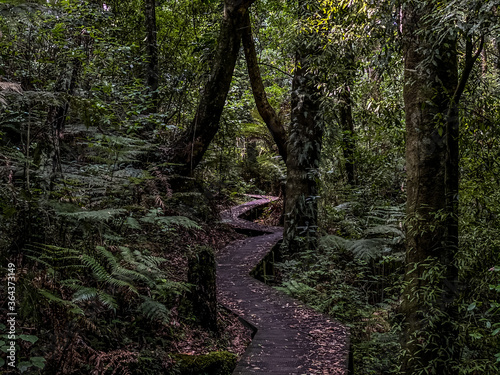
215, 363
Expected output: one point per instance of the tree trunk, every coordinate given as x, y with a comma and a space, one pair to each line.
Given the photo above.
152, 52
56, 114
431, 280
266, 111
347, 126
194, 142
304, 150
203, 295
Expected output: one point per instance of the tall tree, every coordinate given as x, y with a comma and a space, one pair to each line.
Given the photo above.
195, 140
346, 120
304, 144
152, 52
431, 94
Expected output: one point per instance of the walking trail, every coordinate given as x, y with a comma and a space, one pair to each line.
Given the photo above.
290, 338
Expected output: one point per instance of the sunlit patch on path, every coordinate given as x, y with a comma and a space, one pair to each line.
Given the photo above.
290, 338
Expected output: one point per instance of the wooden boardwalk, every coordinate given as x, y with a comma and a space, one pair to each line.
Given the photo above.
290, 338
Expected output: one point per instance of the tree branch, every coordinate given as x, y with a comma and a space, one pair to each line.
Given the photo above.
470, 60
266, 111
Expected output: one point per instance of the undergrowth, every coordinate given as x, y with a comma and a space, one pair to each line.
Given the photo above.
354, 277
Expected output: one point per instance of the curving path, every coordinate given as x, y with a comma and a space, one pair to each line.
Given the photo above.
290, 338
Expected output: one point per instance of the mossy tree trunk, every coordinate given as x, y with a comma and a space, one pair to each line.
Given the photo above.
203, 296
56, 114
347, 126
194, 142
431, 94
152, 76
304, 147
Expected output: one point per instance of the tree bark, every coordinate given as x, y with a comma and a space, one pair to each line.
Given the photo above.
304, 150
432, 123
347, 125
194, 142
266, 111
56, 114
203, 296
152, 52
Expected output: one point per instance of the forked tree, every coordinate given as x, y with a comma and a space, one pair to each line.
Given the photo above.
194, 142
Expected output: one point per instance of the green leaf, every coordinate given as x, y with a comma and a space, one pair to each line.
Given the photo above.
38, 362
29, 338
132, 223
23, 366
476, 335
472, 306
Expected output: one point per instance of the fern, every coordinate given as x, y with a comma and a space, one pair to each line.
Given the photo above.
334, 242
168, 287
102, 275
99, 215
181, 221
296, 288
153, 217
84, 293
128, 269
154, 310
55, 257
369, 248
132, 223
50, 297
384, 231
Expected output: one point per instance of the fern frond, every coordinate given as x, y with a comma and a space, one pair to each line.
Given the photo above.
97, 269
102, 275
296, 288
55, 257
126, 274
62, 302
109, 257
384, 231
181, 221
154, 310
334, 242
84, 294
168, 287
99, 215
132, 223
107, 300
152, 261
369, 248
154, 217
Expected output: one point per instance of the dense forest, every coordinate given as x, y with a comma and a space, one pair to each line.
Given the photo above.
128, 126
